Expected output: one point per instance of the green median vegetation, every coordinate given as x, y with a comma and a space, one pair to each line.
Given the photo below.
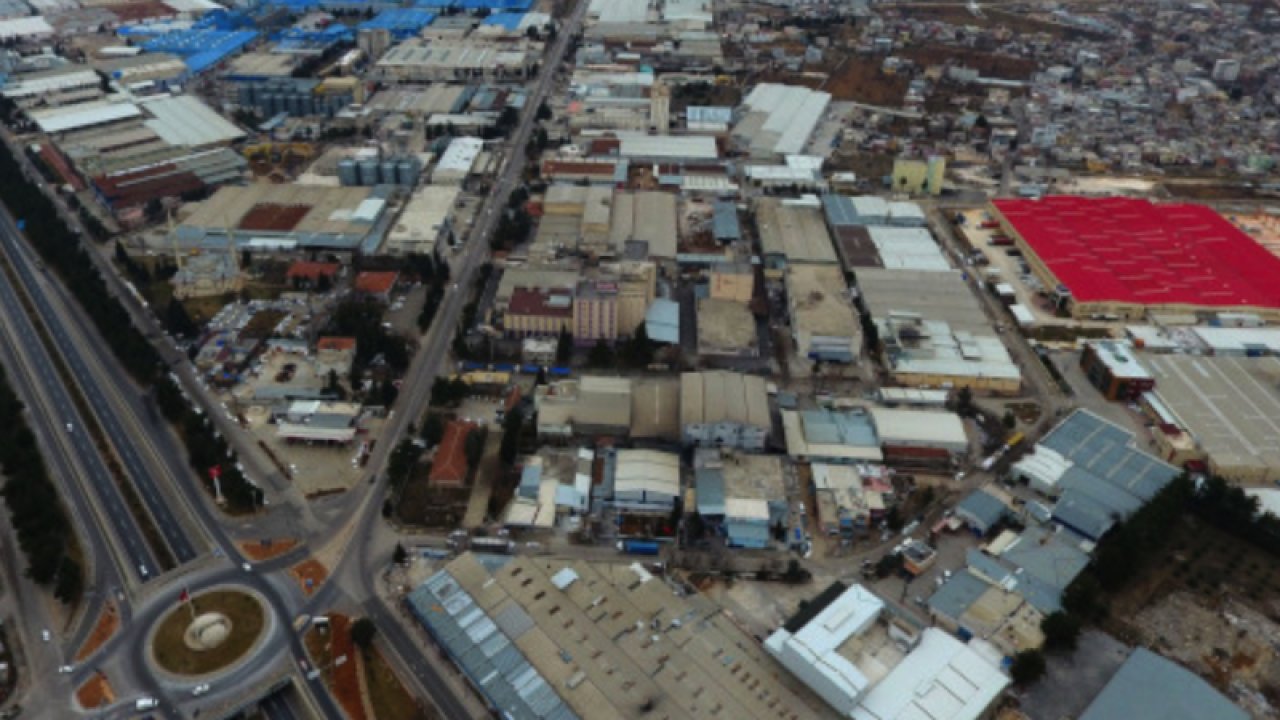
62, 252
39, 518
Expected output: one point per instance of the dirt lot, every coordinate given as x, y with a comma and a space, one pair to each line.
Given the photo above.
108, 623
958, 14
860, 79
1213, 604
315, 469
1231, 645
987, 64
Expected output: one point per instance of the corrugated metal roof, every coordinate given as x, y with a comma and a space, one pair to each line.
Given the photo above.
1149, 687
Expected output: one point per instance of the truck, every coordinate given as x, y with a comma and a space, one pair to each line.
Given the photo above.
638, 547
492, 545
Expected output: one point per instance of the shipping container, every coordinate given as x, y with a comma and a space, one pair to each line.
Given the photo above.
638, 547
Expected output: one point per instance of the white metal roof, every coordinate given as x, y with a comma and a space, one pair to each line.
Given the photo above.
73, 117
667, 146
923, 427
907, 248
746, 509
40, 83
185, 120
618, 11
792, 112
24, 27
941, 679
192, 6
650, 471
461, 155
811, 653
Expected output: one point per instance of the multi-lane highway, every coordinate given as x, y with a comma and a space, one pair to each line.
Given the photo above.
77, 354
153, 461
54, 407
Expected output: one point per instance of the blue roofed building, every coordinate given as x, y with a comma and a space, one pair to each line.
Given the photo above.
740, 495
201, 48
662, 321
724, 222
706, 118
481, 639
982, 511
1149, 687
832, 437
401, 22
1095, 471
509, 21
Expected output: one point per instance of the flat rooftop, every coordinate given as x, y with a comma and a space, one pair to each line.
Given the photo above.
725, 327
949, 299
288, 208
1230, 405
1133, 251
601, 641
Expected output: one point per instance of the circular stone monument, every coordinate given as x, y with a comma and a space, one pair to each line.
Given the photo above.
209, 633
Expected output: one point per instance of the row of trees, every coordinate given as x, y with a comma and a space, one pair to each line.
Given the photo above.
61, 250
1130, 548
39, 519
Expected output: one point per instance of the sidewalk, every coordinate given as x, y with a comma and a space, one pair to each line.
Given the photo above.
430, 653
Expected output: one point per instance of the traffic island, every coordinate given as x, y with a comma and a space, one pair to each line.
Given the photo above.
208, 633
106, 626
96, 692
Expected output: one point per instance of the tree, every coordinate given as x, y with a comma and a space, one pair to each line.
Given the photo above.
1061, 631
474, 447
638, 352
432, 429
964, 402
333, 386
1028, 667
69, 583
177, 321
564, 347
1010, 420
362, 633
511, 426
601, 356
544, 112
399, 555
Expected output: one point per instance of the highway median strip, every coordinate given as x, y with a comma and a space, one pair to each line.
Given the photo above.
62, 250
108, 623
155, 541
37, 510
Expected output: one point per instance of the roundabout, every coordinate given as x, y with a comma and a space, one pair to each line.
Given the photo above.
209, 633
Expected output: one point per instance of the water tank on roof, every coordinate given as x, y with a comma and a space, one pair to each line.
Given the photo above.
369, 172
348, 173
388, 172
407, 171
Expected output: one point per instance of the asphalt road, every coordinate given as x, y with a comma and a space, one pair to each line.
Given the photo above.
60, 412
123, 434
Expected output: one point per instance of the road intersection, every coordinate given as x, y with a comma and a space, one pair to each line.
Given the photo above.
205, 543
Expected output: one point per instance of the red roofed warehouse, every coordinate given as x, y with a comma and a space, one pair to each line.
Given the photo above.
449, 468
1125, 257
303, 274
538, 313
377, 285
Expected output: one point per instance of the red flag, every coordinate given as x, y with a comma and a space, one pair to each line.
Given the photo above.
184, 597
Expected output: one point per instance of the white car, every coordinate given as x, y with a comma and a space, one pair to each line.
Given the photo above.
66, 669
45, 635
200, 689
246, 567
70, 427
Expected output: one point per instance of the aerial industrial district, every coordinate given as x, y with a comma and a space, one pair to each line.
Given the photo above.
736, 359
